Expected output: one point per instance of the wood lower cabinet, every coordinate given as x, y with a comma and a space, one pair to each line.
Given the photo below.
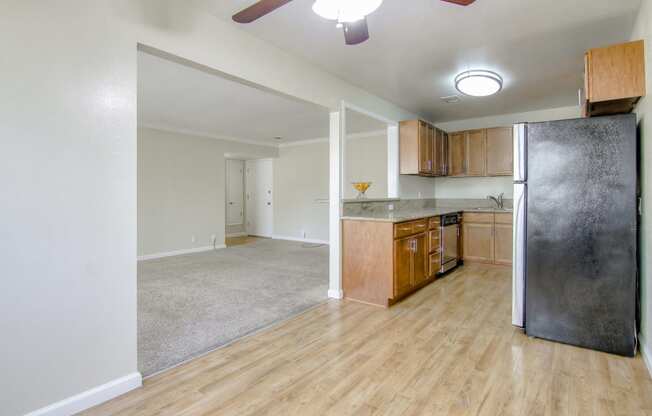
487, 238
478, 242
383, 262
503, 239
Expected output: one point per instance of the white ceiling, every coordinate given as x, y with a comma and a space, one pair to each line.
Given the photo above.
418, 46
178, 97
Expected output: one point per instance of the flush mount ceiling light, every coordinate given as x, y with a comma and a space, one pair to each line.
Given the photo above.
478, 83
345, 11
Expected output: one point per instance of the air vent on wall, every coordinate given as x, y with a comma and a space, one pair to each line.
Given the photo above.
451, 99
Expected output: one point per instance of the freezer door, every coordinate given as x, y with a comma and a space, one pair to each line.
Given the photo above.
518, 264
580, 284
520, 152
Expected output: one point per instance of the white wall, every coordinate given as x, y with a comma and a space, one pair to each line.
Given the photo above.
477, 188
365, 160
643, 30
182, 189
300, 180
68, 175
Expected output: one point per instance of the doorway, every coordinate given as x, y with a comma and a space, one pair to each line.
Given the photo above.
259, 180
235, 207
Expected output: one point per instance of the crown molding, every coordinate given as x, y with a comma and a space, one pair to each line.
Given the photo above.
170, 129
353, 136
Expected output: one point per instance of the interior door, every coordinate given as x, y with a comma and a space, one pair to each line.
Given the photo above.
234, 192
260, 198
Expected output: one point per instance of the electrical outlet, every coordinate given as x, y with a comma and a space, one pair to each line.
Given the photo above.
193, 239
213, 239
419, 195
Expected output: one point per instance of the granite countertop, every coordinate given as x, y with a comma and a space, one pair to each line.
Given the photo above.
409, 215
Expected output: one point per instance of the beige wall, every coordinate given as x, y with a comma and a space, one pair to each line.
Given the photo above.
365, 160
643, 30
68, 174
477, 188
181, 189
301, 178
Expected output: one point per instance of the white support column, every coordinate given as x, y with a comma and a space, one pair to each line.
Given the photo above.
335, 197
392, 161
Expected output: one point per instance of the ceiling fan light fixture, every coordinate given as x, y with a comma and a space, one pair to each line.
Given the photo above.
345, 11
478, 83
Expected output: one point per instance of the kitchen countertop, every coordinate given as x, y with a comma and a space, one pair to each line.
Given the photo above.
405, 215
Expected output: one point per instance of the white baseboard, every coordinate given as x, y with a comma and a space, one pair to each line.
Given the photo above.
236, 235
179, 252
335, 294
92, 397
645, 353
301, 240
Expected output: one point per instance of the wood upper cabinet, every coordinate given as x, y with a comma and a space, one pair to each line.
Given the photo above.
614, 78
500, 152
457, 154
476, 151
422, 149
439, 159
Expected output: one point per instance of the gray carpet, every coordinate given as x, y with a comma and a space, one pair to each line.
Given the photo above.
190, 304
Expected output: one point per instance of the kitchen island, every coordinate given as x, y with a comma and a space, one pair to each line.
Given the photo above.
388, 255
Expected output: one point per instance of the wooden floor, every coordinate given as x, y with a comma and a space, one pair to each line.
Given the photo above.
447, 350
240, 241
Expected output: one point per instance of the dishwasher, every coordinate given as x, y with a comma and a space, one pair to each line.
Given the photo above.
450, 241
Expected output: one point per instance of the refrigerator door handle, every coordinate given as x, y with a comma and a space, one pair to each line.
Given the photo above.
519, 260
519, 137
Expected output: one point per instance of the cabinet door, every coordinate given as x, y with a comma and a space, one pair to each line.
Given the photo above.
500, 154
439, 154
457, 154
425, 149
403, 249
476, 153
503, 244
478, 242
420, 259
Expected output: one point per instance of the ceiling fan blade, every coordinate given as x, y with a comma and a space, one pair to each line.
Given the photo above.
356, 32
460, 2
258, 10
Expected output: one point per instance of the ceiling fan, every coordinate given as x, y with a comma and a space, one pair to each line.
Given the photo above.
351, 15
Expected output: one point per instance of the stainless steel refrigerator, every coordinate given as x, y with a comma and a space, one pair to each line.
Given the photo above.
575, 232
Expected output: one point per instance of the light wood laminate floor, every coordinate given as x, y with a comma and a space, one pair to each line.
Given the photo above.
447, 350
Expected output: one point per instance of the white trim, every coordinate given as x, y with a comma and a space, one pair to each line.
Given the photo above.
353, 136
92, 397
180, 252
335, 294
240, 234
346, 105
335, 201
645, 353
170, 129
393, 162
302, 240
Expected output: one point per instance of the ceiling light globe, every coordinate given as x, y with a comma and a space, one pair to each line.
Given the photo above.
478, 83
345, 11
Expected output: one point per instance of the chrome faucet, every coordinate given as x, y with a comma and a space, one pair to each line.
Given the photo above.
500, 202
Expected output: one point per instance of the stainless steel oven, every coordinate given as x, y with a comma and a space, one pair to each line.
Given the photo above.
450, 241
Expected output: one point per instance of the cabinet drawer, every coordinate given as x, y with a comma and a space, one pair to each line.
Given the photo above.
433, 223
408, 228
504, 218
434, 264
478, 217
433, 241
